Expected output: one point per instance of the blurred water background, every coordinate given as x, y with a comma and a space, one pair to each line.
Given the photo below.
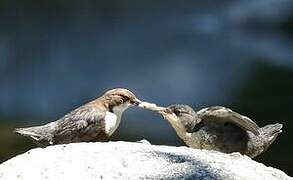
56, 55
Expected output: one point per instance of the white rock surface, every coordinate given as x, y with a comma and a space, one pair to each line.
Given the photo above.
126, 160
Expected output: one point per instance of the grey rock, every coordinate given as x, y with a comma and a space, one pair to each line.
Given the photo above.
126, 160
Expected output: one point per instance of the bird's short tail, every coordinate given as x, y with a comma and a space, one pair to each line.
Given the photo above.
270, 132
29, 132
260, 143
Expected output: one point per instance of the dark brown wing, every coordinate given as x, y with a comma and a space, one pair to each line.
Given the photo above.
83, 124
220, 113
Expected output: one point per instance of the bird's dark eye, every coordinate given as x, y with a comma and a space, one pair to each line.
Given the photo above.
125, 98
177, 112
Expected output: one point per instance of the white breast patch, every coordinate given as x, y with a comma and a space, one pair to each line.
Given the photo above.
111, 123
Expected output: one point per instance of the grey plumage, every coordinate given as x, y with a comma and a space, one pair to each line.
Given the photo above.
221, 129
84, 124
81, 125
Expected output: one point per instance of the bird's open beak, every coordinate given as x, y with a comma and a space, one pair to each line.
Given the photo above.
136, 102
165, 112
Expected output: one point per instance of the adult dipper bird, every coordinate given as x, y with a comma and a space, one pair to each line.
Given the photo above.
218, 128
94, 121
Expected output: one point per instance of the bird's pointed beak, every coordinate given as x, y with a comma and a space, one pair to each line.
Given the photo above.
136, 102
164, 111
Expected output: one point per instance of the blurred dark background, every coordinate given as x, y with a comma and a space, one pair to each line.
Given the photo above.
56, 55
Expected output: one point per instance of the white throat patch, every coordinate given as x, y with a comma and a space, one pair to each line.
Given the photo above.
112, 119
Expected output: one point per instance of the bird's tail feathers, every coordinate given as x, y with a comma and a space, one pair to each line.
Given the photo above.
29, 132
271, 131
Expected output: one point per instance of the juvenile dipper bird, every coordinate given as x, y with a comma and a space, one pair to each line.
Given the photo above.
218, 128
94, 121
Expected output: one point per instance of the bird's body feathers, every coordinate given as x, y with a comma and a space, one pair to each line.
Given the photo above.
82, 124
94, 121
221, 129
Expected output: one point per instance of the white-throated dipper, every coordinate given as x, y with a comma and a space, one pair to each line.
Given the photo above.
94, 121
218, 128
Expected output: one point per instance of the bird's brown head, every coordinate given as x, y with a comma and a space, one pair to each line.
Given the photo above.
121, 96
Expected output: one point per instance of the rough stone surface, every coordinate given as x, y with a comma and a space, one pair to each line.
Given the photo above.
126, 160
